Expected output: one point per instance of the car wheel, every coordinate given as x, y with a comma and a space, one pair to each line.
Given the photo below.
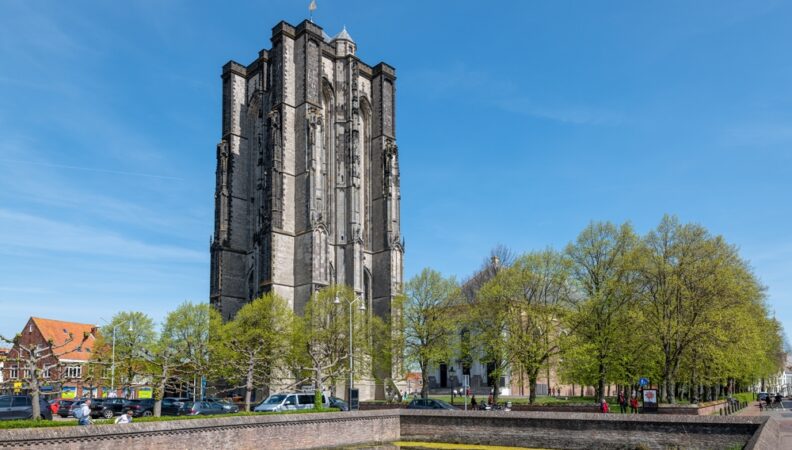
147, 414
107, 414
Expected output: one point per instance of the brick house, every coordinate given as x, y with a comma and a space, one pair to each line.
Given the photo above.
72, 345
3, 355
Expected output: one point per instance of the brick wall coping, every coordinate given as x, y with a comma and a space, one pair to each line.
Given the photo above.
594, 417
763, 429
101, 432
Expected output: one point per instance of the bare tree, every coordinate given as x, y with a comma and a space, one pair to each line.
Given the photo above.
39, 364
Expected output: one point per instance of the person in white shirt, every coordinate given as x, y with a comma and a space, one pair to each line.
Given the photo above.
84, 415
126, 417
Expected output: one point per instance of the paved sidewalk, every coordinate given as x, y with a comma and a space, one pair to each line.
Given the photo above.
784, 417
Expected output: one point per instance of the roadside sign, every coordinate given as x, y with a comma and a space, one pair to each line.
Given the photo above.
17, 387
144, 393
650, 400
68, 392
643, 382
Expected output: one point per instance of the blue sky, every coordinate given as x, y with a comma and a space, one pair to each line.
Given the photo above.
518, 123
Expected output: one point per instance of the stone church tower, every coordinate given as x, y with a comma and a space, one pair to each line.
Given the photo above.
307, 189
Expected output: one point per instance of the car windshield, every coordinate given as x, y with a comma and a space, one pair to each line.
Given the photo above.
273, 399
443, 404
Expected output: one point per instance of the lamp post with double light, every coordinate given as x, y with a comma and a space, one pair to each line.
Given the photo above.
362, 307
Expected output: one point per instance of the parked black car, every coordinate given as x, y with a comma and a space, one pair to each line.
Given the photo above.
107, 407
174, 406
64, 408
228, 405
429, 403
141, 408
336, 402
21, 407
205, 408
76, 404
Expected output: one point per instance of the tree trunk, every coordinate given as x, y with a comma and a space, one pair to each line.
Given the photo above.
601, 384
671, 389
159, 394
249, 383
34, 393
532, 389
424, 379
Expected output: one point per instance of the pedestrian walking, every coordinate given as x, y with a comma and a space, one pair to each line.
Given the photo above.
604, 408
126, 417
623, 402
83, 413
634, 405
473, 402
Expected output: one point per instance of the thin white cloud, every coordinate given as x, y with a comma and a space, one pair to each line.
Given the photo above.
92, 169
37, 233
571, 114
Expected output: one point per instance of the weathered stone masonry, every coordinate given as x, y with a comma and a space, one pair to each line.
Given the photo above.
307, 188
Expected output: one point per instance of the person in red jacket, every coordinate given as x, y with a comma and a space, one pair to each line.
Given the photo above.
604, 406
634, 404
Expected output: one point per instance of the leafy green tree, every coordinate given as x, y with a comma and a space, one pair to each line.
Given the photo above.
428, 320
251, 350
694, 286
181, 351
134, 331
324, 340
604, 278
522, 312
187, 328
483, 317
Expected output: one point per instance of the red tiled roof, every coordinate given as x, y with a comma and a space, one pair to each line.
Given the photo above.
80, 348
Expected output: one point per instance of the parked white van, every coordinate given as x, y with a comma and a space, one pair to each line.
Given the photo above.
289, 402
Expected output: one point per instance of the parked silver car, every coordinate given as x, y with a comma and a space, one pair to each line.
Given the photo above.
288, 402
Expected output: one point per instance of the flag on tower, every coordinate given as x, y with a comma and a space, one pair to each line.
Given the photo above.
311, 9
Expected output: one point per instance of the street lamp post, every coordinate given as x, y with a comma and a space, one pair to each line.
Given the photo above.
362, 307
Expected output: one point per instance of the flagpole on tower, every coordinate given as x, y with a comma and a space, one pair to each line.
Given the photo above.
311, 8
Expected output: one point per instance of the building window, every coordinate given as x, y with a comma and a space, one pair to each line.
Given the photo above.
13, 372
45, 373
74, 372
27, 373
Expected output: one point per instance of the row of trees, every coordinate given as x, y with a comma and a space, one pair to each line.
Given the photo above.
677, 305
265, 344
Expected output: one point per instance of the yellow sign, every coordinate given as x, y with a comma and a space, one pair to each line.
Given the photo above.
144, 392
17, 387
68, 392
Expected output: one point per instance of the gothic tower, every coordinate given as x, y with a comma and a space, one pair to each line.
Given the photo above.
307, 189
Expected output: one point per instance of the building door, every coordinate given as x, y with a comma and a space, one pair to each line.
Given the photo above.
490, 379
443, 375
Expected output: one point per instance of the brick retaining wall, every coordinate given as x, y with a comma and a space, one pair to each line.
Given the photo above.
327, 430
578, 430
288, 431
